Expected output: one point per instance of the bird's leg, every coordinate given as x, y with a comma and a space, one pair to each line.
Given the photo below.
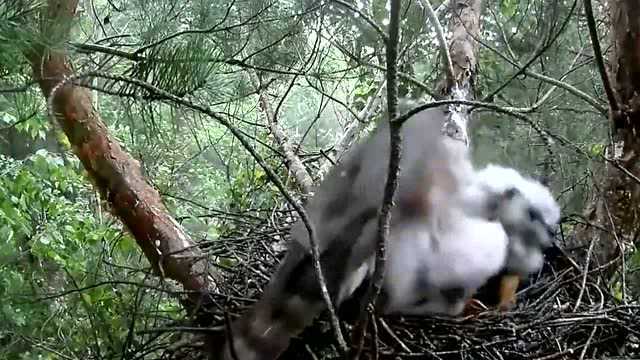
508, 287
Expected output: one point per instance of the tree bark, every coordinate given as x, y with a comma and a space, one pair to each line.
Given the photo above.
465, 27
170, 251
616, 207
459, 81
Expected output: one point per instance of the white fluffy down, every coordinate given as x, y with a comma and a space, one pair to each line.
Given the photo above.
468, 249
526, 237
464, 256
499, 179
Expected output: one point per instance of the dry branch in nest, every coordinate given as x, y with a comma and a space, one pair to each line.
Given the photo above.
544, 325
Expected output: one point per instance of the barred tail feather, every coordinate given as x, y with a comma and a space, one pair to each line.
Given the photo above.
265, 332
289, 304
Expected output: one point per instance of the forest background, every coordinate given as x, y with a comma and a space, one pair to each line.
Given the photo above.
234, 109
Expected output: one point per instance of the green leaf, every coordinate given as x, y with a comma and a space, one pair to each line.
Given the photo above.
87, 298
597, 150
508, 7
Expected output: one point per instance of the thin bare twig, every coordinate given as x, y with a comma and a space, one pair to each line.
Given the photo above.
622, 255
395, 144
561, 84
583, 285
540, 49
546, 96
393, 335
586, 345
395, 149
627, 172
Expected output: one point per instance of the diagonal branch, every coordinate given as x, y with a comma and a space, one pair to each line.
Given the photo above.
168, 248
292, 160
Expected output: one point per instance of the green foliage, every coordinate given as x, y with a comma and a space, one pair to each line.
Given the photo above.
52, 243
180, 67
14, 35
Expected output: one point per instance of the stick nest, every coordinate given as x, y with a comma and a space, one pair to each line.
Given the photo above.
565, 313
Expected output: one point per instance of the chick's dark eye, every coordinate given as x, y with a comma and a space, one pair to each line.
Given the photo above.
533, 215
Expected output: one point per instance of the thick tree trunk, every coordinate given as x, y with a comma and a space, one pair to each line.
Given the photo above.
625, 67
616, 207
115, 173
